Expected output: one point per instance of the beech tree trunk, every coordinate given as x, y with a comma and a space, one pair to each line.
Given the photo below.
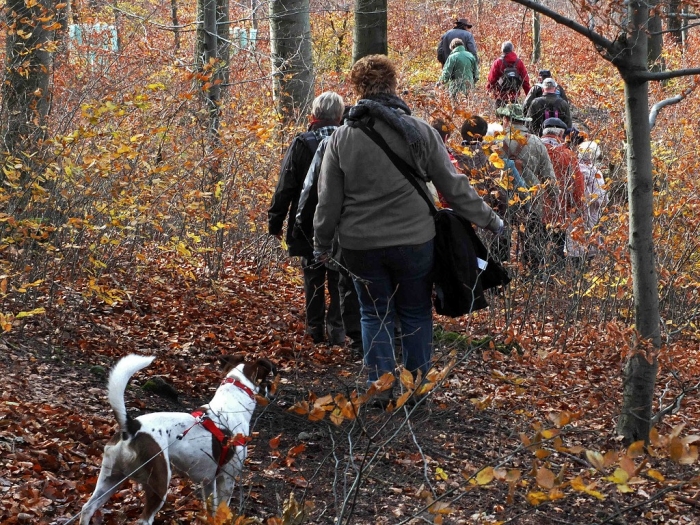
176, 23
292, 64
629, 54
656, 41
25, 89
536, 42
370, 29
641, 368
674, 23
212, 54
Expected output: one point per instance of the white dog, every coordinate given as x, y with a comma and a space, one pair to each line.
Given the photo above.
208, 446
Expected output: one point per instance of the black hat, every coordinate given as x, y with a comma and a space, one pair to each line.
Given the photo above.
545, 73
462, 22
554, 123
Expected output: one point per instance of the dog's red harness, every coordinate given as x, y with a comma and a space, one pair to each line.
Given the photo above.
239, 440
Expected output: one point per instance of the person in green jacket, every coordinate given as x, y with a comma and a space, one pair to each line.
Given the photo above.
460, 71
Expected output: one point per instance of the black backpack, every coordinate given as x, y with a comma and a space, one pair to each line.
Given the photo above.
310, 139
550, 112
510, 81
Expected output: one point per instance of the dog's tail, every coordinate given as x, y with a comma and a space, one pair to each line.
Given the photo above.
121, 373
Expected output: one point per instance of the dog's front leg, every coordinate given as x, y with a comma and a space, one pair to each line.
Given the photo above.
209, 496
226, 479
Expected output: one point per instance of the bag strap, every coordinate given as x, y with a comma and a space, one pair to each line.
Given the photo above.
404, 167
310, 139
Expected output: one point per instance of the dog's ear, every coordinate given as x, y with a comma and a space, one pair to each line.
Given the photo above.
229, 362
257, 372
264, 369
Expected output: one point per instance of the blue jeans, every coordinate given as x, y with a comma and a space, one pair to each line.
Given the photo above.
398, 284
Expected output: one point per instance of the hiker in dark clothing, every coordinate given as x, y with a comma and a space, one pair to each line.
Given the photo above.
549, 105
326, 113
537, 91
459, 31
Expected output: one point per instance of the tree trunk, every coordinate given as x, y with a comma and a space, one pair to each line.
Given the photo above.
536, 42
176, 23
211, 55
223, 23
640, 373
370, 29
674, 21
25, 90
211, 64
254, 6
292, 64
656, 42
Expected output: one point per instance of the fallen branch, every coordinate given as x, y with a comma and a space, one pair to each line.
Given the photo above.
656, 108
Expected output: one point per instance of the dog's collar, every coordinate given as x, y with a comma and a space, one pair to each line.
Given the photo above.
236, 382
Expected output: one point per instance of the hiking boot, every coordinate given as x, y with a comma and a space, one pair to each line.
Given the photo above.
415, 399
316, 335
383, 398
336, 337
356, 350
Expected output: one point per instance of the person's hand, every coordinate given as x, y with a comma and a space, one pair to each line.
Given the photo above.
322, 257
502, 231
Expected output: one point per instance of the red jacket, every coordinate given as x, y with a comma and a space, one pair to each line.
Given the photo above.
571, 183
496, 73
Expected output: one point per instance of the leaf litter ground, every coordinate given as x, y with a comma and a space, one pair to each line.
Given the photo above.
488, 445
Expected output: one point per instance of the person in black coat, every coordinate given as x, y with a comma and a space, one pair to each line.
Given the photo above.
459, 31
549, 105
536, 90
326, 113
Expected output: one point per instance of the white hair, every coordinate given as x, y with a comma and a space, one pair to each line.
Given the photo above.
494, 129
590, 151
559, 132
328, 106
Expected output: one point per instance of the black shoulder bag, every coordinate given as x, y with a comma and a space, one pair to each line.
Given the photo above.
463, 268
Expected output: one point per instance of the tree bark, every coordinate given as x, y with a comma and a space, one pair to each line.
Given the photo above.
25, 90
629, 54
656, 42
176, 23
641, 368
536, 42
674, 22
212, 55
292, 64
370, 29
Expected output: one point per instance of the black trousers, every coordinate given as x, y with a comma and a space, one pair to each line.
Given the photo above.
319, 323
349, 306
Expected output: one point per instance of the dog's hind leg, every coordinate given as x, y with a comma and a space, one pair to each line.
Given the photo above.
155, 490
154, 477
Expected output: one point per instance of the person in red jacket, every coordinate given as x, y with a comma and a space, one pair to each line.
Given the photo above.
559, 215
507, 76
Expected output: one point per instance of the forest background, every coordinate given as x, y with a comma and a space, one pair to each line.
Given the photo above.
135, 231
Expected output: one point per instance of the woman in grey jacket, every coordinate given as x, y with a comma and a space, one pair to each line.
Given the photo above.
385, 227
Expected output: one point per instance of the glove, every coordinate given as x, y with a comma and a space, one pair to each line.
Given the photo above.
322, 257
502, 231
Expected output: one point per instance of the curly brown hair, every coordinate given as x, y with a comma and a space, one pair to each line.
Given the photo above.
373, 75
